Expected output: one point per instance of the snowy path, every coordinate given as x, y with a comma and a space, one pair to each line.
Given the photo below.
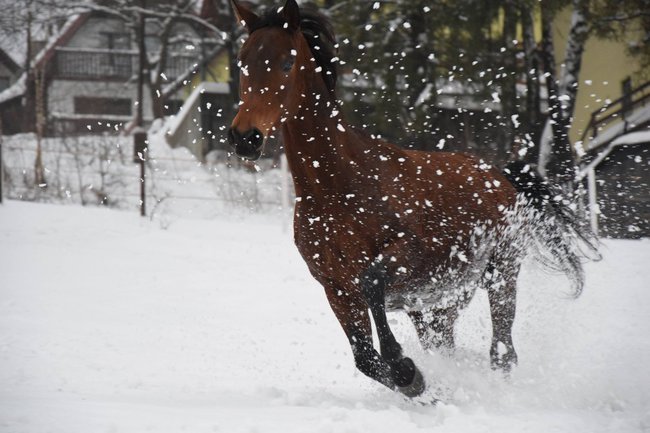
110, 324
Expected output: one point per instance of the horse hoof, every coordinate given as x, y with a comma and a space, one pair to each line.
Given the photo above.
504, 362
417, 385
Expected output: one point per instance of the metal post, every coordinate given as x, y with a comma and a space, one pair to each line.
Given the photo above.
2, 173
284, 170
143, 195
139, 157
593, 205
140, 137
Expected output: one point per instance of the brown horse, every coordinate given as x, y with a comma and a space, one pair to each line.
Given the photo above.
384, 228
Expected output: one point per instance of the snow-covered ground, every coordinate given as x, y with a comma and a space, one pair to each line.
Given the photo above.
113, 323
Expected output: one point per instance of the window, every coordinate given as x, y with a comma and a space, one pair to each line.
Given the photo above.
110, 106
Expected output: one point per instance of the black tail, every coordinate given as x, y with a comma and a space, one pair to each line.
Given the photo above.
564, 241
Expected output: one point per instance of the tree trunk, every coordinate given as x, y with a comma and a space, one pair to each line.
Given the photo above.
509, 79
532, 114
421, 93
573, 59
157, 102
154, 73
39, 88
556, 158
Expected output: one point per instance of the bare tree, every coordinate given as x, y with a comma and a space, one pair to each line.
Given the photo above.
18, 22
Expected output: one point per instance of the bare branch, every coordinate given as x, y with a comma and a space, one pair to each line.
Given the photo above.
625, 17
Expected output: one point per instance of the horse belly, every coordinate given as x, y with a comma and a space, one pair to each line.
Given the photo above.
448, 290
444, 285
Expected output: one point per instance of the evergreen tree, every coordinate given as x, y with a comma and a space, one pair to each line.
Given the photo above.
443, 73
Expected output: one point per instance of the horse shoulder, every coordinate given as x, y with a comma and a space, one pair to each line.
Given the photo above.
330, 242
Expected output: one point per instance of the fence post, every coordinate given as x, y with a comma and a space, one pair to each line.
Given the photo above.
284, 191
593, 200
2, 173
139, 156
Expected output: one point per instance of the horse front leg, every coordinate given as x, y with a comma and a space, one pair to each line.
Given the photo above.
406, 376
388, 368
352, 313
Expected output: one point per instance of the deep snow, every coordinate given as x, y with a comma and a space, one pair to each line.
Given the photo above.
113, 323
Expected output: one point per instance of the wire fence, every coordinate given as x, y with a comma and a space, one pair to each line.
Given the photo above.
99, 170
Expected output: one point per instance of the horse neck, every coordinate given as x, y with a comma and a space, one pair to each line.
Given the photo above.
319, 146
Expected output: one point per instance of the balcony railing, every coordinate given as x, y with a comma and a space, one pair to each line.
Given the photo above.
95, 64
616, 112
113, 65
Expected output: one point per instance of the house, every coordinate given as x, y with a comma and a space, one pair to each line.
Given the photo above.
85, 77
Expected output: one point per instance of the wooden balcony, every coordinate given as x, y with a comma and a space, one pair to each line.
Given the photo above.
110, 65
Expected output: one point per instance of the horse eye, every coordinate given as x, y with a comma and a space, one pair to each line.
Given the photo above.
286, 67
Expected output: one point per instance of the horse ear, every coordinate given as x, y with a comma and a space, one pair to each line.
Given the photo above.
244, 15
291, 13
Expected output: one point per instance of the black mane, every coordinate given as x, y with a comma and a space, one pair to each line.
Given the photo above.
319, 35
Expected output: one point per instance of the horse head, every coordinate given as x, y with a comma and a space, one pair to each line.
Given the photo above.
277, 69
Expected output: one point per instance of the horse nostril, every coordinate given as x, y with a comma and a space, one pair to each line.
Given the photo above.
233, 135
254, 138
248, 144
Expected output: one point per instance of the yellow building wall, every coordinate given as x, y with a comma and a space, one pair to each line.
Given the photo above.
605, 65
216, 71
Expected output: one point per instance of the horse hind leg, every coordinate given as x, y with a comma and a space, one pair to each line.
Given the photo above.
435, 327
408, 379
502, 295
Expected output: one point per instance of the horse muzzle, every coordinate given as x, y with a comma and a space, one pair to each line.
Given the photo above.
247, 145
